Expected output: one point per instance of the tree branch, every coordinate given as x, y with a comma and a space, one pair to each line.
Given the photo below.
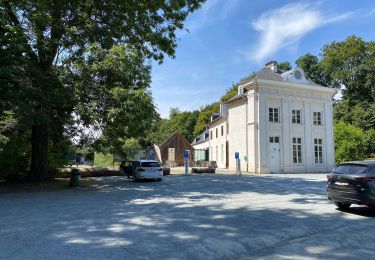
12, 16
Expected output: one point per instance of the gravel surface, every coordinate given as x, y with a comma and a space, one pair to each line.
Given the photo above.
185, 217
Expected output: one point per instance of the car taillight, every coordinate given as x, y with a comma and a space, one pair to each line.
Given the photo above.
365, 179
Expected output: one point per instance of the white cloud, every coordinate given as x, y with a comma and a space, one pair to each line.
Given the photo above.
283, 27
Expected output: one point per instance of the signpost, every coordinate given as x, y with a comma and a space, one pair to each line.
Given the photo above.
186, 158
238, 163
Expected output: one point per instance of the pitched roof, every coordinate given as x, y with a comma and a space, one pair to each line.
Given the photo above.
176, 133
201, 138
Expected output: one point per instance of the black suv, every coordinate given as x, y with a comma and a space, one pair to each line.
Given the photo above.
352, 183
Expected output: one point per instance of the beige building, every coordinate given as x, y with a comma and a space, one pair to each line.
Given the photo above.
279, 122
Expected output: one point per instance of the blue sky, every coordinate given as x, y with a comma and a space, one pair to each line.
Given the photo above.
229, 39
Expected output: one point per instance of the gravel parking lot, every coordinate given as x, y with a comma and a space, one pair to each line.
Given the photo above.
184, 217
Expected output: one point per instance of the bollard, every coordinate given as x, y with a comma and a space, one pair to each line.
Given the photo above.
75, 177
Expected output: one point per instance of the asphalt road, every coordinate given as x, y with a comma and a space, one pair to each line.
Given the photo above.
184, 217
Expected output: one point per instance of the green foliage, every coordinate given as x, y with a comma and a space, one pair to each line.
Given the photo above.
361, 115
284, 65
207, 111
52, 67
103, 160
313, 69
130, 148
205, 116
230, 93
113, 95
183, 122
370, 143
350, 142
351, 63
15, 156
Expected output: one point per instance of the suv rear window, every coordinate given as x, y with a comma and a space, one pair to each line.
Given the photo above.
351, 169
150, 164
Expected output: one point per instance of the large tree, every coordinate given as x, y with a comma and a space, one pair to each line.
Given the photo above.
182, 122
112, 95
46, 35
351, 64
313, 69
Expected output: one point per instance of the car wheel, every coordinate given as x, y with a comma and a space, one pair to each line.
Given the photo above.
342, 205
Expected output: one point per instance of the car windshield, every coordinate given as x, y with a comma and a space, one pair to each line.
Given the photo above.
351, 169
150, 164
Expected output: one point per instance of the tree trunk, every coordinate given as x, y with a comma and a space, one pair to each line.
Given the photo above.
39, 154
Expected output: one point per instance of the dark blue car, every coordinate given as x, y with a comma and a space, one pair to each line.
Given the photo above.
352, 183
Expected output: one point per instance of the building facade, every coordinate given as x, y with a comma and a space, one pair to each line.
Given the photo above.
201, 147
172, 150
279, 122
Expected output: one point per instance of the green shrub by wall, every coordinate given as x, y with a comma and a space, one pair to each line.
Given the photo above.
103, 160
350, 143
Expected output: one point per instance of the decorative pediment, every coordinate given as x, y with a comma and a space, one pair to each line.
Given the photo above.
296, 75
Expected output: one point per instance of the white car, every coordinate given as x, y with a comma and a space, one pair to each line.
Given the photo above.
142, 170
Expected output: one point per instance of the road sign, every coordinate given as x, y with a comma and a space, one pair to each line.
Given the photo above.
237, 155
186, 154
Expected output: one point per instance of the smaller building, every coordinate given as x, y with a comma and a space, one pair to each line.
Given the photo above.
218, 141
201, 146
172, 150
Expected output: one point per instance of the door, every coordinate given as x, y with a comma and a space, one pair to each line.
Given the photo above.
274, 154
171, 154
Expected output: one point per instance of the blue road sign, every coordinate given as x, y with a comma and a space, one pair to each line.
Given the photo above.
237, 155
186, 154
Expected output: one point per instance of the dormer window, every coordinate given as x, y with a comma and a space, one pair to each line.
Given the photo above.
297, 74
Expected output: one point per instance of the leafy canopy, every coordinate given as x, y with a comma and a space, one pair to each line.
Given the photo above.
83, 58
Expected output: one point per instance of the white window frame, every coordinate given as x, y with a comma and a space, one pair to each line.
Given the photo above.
274, 139
272, 111
318, 151
316, 121
297, 150
297, 117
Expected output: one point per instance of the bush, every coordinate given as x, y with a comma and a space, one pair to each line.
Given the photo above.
15, 156
103, 160
370, 143
58, 154
350, 143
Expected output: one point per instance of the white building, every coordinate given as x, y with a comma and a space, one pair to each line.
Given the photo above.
279, 122
201, 146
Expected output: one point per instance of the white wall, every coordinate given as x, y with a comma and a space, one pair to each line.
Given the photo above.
237, 132
286, 101
252, 130
218, 144
202, 146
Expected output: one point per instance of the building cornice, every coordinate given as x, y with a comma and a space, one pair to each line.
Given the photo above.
295, 86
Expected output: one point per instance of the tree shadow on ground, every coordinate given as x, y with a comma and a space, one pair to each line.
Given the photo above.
193, 217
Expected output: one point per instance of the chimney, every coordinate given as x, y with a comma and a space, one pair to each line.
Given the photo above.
272, 65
